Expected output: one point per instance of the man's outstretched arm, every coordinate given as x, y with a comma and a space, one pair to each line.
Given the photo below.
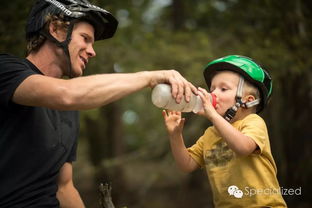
95, 90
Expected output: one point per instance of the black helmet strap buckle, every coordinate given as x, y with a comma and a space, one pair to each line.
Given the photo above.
63, 44
231, 112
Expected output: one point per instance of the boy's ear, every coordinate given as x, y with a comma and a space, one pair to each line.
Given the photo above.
249, 98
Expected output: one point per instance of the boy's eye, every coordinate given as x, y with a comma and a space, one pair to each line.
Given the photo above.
223, 89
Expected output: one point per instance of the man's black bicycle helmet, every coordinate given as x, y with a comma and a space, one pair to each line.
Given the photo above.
103, 22
73, 11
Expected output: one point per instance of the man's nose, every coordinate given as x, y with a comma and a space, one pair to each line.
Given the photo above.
91, 51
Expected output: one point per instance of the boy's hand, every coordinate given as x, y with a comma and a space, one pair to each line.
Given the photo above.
174, 122
208, 110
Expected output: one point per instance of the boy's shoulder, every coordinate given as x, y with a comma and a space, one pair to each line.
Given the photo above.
253, 116
252, 119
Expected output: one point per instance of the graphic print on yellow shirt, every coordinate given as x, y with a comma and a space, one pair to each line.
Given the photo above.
219, 155
234, 179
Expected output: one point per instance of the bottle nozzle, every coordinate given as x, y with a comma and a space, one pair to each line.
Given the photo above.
213, 100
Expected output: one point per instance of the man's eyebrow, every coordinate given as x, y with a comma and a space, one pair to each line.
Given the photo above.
88, 36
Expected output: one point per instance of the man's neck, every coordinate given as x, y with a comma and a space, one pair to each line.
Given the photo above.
47, 61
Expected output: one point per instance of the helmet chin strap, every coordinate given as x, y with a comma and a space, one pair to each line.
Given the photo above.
231, 112
64, 44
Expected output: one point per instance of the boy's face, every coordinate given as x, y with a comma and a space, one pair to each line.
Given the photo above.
224, 86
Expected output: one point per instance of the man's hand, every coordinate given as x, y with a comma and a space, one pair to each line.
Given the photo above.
179, 85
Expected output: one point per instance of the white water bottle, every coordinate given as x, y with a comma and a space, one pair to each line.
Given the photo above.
162, 98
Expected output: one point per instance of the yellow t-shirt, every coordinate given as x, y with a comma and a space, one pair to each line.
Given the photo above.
238, 181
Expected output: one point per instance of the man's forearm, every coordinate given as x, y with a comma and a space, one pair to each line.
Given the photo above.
97, 90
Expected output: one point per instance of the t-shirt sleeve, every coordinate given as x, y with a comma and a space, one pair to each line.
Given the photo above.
12, 73
73, 152
255, 128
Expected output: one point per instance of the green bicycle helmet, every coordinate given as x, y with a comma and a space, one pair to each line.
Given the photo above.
248, 69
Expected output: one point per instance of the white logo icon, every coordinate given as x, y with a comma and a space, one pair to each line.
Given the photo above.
234, 190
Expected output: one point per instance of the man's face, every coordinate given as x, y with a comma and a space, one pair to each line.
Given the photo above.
224, 86
81, 47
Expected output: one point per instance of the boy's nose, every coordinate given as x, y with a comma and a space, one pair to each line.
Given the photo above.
215, 92
212, 91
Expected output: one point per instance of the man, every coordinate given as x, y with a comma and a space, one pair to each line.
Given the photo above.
39, 122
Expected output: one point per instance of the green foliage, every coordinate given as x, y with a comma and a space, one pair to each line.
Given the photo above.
12, 20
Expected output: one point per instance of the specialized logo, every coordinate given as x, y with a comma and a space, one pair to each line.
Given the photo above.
250, 191
235, 191
89, 5
60, 6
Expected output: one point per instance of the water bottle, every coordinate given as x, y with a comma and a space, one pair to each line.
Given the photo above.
162, 98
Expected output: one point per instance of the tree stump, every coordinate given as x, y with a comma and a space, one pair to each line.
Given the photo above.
105, 196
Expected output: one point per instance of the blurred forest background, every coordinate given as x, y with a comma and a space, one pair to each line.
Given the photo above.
125, 143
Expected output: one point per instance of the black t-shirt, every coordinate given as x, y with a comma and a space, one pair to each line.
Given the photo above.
35, 142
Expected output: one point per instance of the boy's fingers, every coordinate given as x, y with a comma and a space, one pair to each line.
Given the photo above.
201, 95
164, 113
178, 113
182, 122
202, 90
204, 96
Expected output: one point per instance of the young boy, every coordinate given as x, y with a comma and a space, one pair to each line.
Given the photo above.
235, 151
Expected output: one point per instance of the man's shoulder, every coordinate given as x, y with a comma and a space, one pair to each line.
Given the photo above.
12, 64
6, 56
8, 60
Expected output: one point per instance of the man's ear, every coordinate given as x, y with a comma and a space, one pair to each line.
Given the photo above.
53, 29
56, 32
